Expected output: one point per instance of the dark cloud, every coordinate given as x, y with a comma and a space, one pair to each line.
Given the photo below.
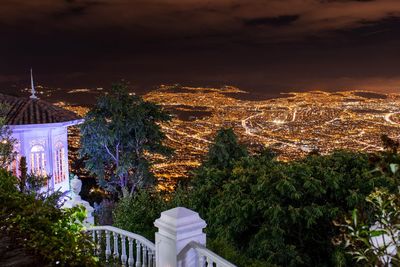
284, 20
254, 44
75, 8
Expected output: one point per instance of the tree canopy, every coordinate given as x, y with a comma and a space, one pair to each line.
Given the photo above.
115, 137
224, 150
264, 212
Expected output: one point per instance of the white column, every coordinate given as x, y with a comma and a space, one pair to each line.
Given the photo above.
49, 156
176, 228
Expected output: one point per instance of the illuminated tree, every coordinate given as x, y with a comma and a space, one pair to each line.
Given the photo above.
116, 136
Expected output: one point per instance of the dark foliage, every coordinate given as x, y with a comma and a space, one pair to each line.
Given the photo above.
52, 235
263, 212
138, 213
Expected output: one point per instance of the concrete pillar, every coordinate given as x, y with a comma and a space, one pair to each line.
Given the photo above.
176, 229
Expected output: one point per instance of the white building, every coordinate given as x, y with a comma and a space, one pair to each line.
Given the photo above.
40, 130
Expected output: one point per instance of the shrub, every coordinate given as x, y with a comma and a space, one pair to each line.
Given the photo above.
373, 240
52, 234
138, 213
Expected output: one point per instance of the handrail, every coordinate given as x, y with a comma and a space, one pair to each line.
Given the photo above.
207, 256
110, 228
129, 248
145, 253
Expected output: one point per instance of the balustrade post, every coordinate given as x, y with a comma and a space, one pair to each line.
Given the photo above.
176, 229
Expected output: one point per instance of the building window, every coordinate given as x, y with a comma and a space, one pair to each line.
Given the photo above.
38, 160
60, 166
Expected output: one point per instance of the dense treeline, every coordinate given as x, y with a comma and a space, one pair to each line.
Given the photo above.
264, 212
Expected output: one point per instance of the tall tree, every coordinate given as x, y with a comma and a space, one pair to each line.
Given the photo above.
225, 149
6, 141
216, 170
116, 136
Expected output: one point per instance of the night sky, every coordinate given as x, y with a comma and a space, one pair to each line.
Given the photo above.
264, 46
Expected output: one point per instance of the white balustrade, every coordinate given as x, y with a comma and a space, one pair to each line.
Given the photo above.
208, 258
145, 252
180, 242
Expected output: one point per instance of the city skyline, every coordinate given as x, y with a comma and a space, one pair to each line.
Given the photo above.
264, 47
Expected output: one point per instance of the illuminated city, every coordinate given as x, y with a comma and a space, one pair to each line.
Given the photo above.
294, 124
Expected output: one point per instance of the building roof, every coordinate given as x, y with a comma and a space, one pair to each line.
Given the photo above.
25, 110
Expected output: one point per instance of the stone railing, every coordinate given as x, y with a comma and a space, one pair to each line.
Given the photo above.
180, 241
128, 248
206, 257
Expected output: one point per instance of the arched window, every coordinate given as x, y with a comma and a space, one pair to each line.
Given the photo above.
38, 160
59, 163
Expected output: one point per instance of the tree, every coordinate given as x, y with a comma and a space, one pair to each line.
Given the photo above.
115, 137
6, 141
283, 212
224, 150
215, 170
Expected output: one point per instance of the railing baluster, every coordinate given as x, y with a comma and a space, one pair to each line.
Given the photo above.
108, 245
208, 261
153, 256
150, 257
138, 263
200, 259
123, 252
144, 251
98, 245
109, 240
116, 252
131, 260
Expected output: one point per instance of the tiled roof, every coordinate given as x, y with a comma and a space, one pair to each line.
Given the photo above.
24, 110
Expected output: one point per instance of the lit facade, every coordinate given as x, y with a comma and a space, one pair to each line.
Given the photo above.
40, 131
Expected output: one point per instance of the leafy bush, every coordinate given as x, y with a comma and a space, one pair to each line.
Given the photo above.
138, 213
52, 234
371, 236
374, 240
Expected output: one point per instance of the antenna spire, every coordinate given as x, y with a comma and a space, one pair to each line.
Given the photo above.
33, 91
